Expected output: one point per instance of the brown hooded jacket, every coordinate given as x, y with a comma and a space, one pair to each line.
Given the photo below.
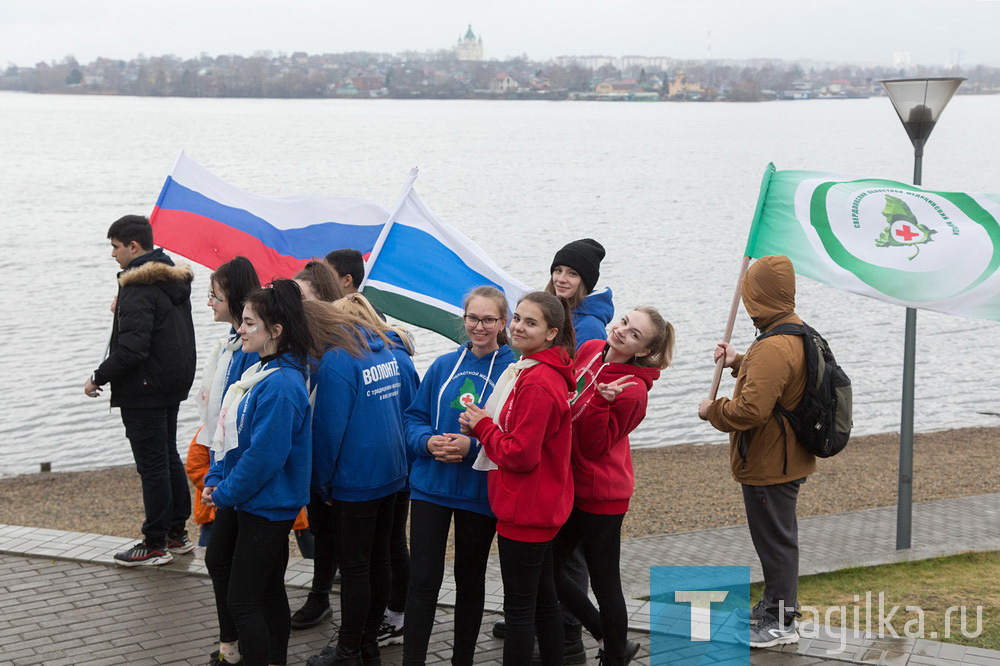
772, 370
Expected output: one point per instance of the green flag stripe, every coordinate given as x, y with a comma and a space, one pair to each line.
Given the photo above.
414, 312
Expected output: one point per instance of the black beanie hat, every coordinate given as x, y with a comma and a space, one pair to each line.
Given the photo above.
583, 256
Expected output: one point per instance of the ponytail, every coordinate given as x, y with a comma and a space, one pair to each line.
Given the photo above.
556, 312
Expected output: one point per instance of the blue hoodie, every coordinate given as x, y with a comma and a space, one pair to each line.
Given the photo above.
435, 411
268, 473
592, 316
237, 366
357, 428
410, 383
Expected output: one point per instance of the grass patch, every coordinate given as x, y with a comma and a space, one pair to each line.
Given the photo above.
932, 586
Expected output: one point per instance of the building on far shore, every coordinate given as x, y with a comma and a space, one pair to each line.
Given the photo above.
469, 48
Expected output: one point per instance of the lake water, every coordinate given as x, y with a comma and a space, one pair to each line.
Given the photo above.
669, 189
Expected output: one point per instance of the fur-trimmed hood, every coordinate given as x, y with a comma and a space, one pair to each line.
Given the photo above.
156, 268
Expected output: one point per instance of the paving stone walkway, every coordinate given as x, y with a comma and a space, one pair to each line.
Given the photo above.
62, 601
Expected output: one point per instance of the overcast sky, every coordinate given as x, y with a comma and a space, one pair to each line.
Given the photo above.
867, 31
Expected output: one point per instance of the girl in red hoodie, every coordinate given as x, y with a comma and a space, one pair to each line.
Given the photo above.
613, 379
525, 434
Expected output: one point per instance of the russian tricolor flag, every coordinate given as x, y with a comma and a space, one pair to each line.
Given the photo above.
209, 221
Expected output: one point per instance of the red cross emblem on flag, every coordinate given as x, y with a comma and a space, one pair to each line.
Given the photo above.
907, 233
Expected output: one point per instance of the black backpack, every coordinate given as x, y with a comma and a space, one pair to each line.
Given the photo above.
823, 420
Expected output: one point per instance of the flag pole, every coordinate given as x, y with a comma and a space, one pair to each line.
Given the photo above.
717, 378
750, 251
380, 241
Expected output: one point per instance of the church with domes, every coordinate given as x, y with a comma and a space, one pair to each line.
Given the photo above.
469, 47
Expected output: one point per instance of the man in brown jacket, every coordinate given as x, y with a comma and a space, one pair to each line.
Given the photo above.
766, 458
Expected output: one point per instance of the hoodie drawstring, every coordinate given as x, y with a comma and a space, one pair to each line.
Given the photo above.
437, 417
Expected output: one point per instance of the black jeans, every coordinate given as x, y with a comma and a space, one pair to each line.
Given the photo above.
775, 533
152, 432
399, 554
474, 532
530, 603
219, 562
324, 543
364, 529
257, 599
599, 537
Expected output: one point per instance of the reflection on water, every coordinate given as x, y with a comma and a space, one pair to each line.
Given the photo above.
667, 188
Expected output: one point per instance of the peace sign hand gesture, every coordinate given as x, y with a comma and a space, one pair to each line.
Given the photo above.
611, 391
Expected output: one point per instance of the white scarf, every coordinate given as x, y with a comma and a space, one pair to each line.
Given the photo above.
213, 379
501, 391
227, 433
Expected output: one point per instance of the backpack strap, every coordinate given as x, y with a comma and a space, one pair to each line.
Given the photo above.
779, 411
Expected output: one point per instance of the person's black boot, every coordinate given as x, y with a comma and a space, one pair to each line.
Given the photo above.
339, 657
500, 629
313, 611
371, 655
573, 649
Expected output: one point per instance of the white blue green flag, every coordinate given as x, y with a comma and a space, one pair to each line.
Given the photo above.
884, 239
421, 268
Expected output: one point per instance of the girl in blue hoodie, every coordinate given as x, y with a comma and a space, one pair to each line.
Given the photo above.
574, 272
391, 631
443, 483
358, 465
264, 449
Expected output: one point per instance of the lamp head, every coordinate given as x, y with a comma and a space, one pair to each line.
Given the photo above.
919, 102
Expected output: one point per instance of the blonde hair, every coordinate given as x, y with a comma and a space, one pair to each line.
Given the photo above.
358, 306
334, 328
661, 347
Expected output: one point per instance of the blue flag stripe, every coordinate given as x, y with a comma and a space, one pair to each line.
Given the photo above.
304, 243
416, 261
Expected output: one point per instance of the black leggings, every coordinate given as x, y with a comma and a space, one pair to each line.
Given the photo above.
530, 603
599, 536
254, 593
399, 555
474, 532
363, 529
325, 545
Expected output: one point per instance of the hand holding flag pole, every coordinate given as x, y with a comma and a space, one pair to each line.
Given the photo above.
717, 378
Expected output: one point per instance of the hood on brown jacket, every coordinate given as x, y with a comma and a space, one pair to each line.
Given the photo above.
769, 290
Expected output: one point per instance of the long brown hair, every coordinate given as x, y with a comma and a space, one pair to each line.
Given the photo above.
574, 300
357, 305
499, 299
555, 311
322, 279
661, 347
333, 328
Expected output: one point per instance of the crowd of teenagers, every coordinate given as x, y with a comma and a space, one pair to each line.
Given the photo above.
312, 413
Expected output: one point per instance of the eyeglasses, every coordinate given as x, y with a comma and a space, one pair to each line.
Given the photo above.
213, 297
474, 321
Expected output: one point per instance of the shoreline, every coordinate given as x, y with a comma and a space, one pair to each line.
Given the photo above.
679, 488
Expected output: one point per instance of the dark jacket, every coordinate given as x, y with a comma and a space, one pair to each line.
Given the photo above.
151, 360
772, 371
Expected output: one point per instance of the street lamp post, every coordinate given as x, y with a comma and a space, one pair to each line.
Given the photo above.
918, 103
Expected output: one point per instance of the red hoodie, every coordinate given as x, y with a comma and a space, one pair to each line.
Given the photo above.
532, 491
602, 460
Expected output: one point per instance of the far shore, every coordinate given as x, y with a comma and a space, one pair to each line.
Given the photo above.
678, 488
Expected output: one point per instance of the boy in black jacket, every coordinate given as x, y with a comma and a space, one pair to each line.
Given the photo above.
151, 365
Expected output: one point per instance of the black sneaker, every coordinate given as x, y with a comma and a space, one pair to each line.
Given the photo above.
573, 650
180, 545
337, 656
500, 629
390, 634
141, 554
313, 611
631, 649
337, 578
371, 655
